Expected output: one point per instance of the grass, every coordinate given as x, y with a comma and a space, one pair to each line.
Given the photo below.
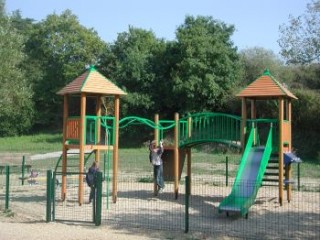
39, 143
135, 160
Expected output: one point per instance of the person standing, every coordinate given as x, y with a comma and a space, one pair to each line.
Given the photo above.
156, 160
91, 179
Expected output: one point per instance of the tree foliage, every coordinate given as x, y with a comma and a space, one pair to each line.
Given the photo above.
17, 108
130, 64
300, 39
207, 66
61, 48
200, 70
306, 113
256, 60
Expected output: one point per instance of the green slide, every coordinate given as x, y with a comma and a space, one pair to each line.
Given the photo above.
249, 177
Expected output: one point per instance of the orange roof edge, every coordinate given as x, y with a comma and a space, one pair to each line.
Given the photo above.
265, 86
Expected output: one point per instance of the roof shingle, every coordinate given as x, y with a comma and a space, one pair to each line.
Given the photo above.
266, 86
91, 81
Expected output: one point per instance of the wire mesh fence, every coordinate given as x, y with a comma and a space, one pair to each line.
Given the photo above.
299, 219
66, 204
137, 207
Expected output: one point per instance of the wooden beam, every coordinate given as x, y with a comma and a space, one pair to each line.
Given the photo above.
281, 115
98, 127
81, 150
176, 155
243, 122
116, 147
189, 155
156, 138
64, 148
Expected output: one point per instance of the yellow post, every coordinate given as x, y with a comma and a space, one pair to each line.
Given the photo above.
156, 138
176, 155
64, 147
115, 147
288, 178
98, 127
243, 122
288, 167
281, 115
189, 155
81, 145
254, 116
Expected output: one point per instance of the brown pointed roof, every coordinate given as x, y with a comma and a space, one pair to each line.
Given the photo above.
91, 81
266, 86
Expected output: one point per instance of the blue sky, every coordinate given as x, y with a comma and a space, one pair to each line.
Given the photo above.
256, 21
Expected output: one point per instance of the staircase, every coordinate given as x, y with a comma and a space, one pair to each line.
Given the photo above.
271, 176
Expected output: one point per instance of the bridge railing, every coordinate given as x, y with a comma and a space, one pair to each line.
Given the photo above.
210, 127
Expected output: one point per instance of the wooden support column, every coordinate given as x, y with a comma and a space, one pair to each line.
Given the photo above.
64, 147
176, 155
115, 147
288, 167
156, 138
281, 115
288, 178
253, 117
81, 146
98, 128
189, 155
243, 122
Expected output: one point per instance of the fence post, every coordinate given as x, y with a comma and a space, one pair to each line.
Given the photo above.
22, 169
7, 187
49, 195
98, 199
187, 196
227, 169
298, 176
53, 195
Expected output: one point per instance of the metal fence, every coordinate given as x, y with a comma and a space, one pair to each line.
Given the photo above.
137, 207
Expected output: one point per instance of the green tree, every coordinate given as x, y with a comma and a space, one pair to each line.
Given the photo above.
256, 60
207, 67
16, 106
305, 115
61, 48
300, 39
2, 8
130, 63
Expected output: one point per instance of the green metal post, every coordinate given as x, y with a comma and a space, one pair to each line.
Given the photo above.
49, 195
53, 195
187, 204
298, 176
22, 169
104, 164
227, 169
108, 179
7, 187
98, 199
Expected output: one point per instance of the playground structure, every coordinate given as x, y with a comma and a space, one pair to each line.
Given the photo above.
85, 133
94, 85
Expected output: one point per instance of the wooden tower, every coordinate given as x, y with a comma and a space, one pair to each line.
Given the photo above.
91, 84
265, 88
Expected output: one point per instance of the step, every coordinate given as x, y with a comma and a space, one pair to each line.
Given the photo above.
269, 185
270, 180
273, 161
271, 174
272, 167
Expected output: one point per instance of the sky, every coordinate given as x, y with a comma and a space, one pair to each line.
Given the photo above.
256, 21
